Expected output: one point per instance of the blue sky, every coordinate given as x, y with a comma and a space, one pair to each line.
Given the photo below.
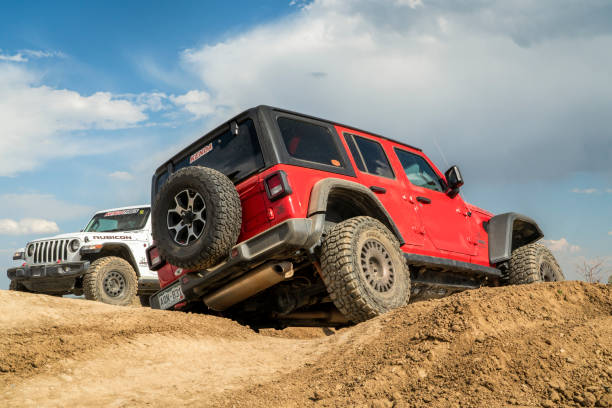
93, 97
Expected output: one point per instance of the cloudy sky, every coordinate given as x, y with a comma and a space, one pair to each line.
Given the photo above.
518, 94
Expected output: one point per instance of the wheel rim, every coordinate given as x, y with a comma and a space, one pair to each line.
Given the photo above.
377, 266
547, 272
114, 284
187, 218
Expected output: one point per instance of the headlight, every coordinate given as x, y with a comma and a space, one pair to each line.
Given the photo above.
18, 255
30, 249
74, 245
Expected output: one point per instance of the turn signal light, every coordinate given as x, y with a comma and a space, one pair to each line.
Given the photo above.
277, 185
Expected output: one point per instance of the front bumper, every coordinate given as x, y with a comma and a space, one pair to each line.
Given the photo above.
59, 270
278, 242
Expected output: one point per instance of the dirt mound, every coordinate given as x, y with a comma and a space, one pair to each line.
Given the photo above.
536, 345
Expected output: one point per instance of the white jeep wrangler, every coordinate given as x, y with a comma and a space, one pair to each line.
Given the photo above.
105, 262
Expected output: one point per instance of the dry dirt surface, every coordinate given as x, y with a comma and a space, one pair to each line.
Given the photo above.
538, 345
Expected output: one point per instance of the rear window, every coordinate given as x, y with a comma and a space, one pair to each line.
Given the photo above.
236, 156
309, 142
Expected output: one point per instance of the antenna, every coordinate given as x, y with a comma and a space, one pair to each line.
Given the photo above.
435, 140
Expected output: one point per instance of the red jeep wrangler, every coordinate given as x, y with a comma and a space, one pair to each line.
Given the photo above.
277, 218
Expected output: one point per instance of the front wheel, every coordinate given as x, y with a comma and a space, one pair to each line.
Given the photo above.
364, 269
111, 280
533, 263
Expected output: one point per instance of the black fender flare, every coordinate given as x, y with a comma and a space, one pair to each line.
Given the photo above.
509, 231
319, 197
110, 247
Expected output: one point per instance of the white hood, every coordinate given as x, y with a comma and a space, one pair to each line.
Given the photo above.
85, 237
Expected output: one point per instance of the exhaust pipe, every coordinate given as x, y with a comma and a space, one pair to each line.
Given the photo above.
248, 285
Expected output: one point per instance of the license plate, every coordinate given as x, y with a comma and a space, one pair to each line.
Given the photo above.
170, 297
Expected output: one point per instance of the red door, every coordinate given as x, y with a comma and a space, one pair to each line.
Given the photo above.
446, 220
373, 169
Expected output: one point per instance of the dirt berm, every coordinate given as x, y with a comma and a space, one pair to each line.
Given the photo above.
538, 345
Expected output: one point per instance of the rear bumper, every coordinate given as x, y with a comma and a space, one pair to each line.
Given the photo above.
36, 272
277, 242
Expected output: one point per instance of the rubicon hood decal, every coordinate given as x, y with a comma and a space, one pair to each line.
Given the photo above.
122, 237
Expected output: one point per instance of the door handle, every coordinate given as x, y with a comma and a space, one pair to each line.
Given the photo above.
424, 200
379, 190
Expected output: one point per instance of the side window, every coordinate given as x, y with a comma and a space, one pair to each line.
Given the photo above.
418, 171
310, 142
369, 156
355, 152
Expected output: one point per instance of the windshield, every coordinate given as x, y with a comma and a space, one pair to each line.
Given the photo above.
120, 220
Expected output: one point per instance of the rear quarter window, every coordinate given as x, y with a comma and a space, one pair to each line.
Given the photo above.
309, 142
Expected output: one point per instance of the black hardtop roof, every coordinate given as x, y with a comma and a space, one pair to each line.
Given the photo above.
338, 124
191, 146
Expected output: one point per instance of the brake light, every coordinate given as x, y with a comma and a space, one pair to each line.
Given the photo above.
154, 259
277, 185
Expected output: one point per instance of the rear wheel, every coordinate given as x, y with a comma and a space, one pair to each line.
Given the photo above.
533, 263
111, 280
364, 269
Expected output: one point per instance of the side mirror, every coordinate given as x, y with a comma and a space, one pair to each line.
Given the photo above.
454, 180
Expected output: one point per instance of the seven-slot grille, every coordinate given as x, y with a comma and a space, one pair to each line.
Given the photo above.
50, 251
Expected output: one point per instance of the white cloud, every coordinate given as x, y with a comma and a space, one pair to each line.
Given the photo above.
410, 3
25, 55
42, 54
37, 122
35, 205
195, 102
13, 58
27, 226
528, 79
585, 190
121, 175
561, 245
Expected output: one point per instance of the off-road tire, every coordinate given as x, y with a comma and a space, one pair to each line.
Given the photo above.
348, 283
533, 263
223, 218
101, 281
17, 286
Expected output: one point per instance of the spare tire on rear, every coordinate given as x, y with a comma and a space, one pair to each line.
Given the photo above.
196, 218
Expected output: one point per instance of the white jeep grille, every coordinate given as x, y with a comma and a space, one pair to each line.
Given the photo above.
49, 251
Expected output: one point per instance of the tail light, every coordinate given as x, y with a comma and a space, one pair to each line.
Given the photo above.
154, 259
277, 185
